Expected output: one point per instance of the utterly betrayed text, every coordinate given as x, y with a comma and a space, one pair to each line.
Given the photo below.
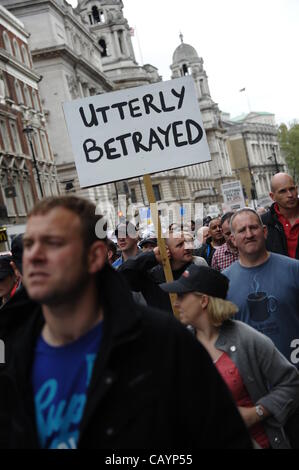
178, 133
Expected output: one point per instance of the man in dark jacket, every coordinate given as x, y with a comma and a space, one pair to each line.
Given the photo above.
282, 220
93, 370
144, 273
214, 241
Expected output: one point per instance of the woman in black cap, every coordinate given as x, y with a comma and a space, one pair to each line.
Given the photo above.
263, 383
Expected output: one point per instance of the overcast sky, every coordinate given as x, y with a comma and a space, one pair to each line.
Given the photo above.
252, 44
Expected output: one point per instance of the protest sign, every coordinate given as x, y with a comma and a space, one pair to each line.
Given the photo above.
137, 131
233, 196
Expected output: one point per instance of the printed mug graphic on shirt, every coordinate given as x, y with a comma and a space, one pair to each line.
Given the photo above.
58, 421
261, 305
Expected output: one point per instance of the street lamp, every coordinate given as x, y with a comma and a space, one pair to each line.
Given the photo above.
29, 131
275, 159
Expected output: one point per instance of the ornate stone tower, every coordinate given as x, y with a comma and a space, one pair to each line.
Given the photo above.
107, 23
186, 61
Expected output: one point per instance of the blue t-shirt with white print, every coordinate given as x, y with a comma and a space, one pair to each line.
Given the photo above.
60, 378
268, 299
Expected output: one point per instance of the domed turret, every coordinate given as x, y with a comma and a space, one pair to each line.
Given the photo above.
184, 52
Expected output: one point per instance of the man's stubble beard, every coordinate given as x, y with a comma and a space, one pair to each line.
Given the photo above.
68, 295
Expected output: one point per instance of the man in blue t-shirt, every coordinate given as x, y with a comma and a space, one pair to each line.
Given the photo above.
93, 370
265, 286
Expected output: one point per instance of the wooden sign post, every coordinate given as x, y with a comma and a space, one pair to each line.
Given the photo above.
161, 241
135, 132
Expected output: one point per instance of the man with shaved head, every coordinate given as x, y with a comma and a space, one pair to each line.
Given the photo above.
282, 220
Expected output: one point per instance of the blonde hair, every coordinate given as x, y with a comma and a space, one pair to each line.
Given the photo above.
219, 310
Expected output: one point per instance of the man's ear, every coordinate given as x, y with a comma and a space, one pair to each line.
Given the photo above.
272, 196
97, 256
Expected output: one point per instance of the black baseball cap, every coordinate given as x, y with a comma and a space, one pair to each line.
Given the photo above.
199, 279
151, 240
5, 268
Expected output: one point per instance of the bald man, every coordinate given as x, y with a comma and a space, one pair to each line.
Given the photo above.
282, 220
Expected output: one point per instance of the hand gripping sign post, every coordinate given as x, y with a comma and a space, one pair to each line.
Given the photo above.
136, 132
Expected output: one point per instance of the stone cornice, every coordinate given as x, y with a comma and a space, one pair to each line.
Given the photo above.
14, 22
64, 11
66, 53
9, 59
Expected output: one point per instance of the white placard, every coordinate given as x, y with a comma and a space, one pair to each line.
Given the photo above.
233, 196
137, 131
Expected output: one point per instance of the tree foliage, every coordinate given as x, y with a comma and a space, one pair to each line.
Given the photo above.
289, 143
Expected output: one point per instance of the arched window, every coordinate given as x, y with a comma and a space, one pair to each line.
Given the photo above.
103, 46
45, 146
95, 15
185, 69
120, 40
7, 42
17, 50
18, 92
35, 100
3, 85
25, 55
27, 97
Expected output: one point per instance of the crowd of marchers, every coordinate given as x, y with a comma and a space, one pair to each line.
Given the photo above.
95, 358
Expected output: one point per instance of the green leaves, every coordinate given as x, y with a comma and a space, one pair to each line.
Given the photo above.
289, 144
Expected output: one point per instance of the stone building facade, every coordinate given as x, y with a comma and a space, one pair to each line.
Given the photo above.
88, 50
79, 52
20, 108
254, 153
197, 183
204, 179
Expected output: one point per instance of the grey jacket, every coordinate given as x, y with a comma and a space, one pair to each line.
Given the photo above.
269, 378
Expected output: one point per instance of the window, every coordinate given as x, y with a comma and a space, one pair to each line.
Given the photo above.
120, 41
185, 70
7, 43
27, 97
18, 92
157, 192
8, 201
45, 146
19, 199
25, 55
133, 195
103, 46
17, 50
28, 194
202, 87
35, 100
95, 15
3, 85
5, 135
15, 137
37, 145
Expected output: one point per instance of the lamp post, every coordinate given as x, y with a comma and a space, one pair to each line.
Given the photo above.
29, 131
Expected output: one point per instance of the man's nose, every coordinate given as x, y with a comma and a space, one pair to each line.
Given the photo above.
35, 252
248, 232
